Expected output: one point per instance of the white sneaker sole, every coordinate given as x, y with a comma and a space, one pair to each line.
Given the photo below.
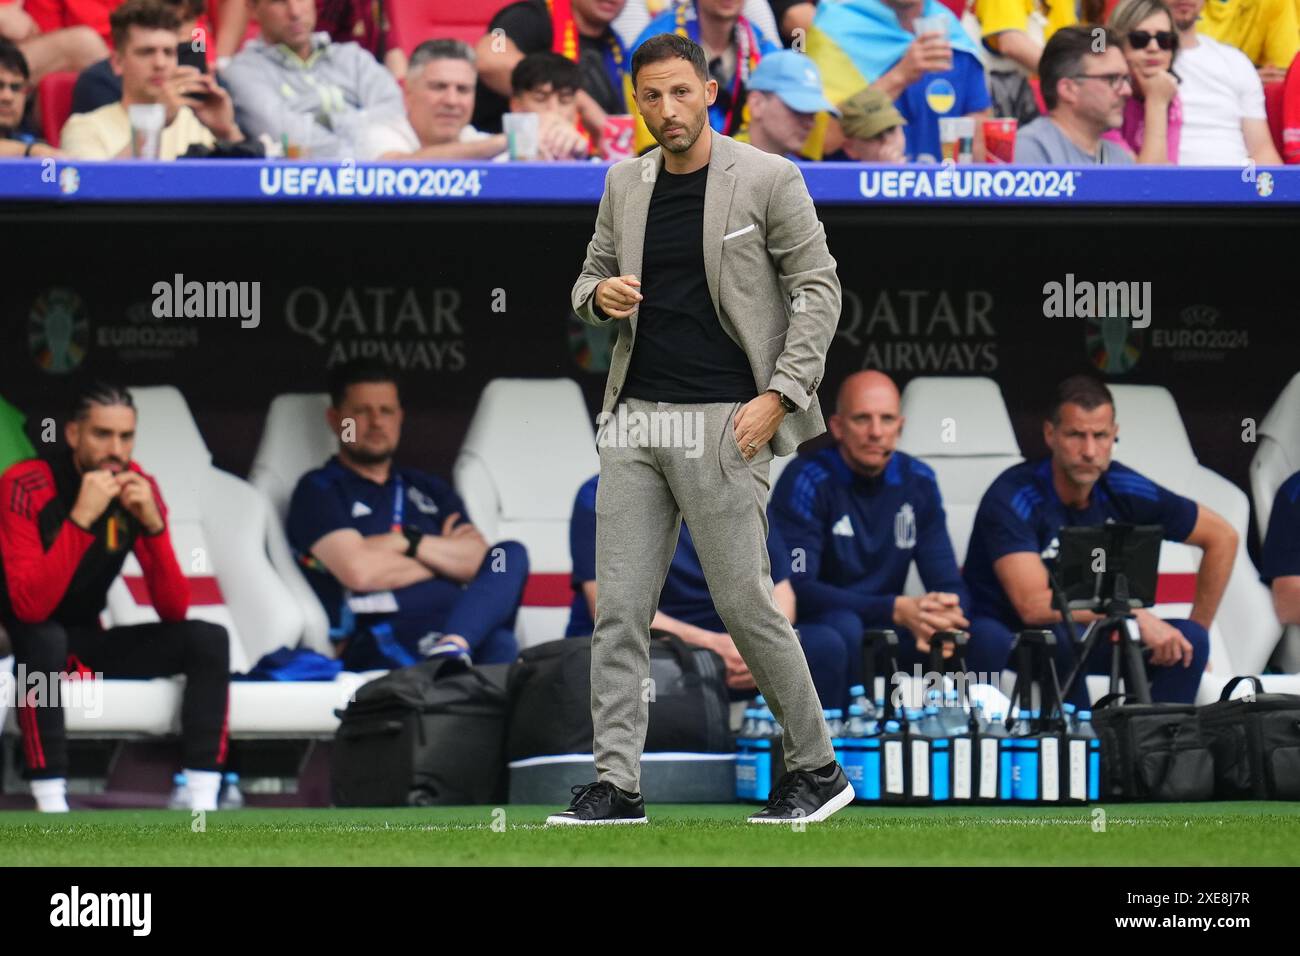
833, 805
561, 821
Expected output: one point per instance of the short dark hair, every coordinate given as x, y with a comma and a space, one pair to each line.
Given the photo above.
360, 372
189, 9
99, 392
1065, 52
1086, 391
666, 46
12, 59
145, 14
442, 48
538, 69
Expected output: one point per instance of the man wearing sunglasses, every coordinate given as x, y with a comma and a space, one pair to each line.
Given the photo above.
1085, 93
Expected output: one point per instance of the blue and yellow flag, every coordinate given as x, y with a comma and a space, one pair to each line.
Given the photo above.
855, 42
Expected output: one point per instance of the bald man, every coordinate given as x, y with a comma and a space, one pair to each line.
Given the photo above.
863, 512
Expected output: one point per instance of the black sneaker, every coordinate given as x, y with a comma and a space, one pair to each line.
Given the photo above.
600, 803
804, 796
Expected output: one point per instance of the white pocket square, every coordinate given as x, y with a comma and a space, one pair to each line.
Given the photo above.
738, 232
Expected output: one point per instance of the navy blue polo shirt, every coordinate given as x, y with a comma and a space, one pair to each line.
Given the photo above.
1280, 556
685, 595
336, 497
1021, 511
860, 535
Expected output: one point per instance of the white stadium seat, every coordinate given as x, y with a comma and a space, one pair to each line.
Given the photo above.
295, 439
778, 465
1277, 452
219, 531
1277, 458
961, 429
1153, 440
530, 447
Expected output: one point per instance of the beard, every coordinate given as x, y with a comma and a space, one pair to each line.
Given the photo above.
87, 463
691, 130
364, 456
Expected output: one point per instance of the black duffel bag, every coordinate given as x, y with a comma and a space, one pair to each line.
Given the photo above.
1256, 743
425, 735
550, 699
1152, 751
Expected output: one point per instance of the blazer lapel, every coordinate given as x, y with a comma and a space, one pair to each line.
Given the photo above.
636, 209
717, 207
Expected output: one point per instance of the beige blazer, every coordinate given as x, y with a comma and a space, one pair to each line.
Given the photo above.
770, 274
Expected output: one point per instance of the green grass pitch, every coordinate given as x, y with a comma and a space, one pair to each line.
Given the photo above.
1207, 834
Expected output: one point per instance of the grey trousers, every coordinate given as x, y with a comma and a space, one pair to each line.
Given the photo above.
687, 465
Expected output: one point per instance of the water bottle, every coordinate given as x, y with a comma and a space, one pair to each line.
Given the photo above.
955, 716
757, 776
854, 749
1068, 713
932, 727
858, 697
746, 756
835, 722
918, 751
1089, 733
871, 765
995, 760
835, 728
180, 798
232, 798
1025, 757
1049, 745
893, 783
963, 732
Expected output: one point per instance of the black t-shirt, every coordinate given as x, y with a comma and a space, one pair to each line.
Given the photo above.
682, 353
97, 85
529, 25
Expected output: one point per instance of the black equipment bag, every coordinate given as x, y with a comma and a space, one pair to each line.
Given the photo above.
1256, 743
1152, 751
550, 699
425, 735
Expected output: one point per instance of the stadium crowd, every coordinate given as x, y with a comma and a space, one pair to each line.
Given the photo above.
1184, 82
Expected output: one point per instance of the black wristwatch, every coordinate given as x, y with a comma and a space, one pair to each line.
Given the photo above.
413, 536
786, 403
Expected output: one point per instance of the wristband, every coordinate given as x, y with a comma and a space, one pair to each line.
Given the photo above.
786, 403
413, 536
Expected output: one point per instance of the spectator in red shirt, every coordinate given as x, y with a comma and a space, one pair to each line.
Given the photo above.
66, 528
49, 45
64, 14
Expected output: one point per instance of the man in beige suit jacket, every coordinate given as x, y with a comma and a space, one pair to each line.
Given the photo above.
709, 255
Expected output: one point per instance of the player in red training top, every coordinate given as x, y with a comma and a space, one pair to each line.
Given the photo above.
66, 527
